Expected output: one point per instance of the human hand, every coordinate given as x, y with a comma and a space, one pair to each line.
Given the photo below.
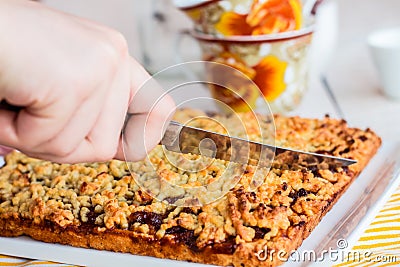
74, 80
4, 150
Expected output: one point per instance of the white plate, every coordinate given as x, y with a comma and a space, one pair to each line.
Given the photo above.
334, 224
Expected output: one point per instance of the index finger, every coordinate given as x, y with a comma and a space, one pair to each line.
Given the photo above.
149, 111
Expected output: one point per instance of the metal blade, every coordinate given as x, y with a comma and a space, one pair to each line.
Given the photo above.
186, 139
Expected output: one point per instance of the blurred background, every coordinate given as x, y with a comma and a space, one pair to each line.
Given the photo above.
339, 51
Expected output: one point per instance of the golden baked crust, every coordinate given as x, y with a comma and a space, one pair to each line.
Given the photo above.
101, 206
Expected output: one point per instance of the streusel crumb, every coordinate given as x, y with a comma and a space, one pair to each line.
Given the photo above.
119, 197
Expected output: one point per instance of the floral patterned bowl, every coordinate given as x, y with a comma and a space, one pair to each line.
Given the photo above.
244, 17
277, 63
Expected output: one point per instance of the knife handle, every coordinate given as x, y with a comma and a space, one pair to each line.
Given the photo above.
4, 105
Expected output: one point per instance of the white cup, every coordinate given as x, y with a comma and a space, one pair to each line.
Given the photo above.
188, 3
385, 49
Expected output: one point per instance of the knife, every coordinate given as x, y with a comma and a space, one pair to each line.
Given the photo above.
6, 106
186, 139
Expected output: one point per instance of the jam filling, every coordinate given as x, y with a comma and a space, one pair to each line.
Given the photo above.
228, 247
187, 237
152, 219
91, 215
260, 232
296, 194
184, 236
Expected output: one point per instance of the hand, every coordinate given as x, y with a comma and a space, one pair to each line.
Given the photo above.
75, 81
4, 150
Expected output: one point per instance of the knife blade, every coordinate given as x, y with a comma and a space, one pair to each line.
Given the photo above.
187, 139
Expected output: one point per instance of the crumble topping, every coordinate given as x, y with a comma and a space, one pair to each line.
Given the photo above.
106, 195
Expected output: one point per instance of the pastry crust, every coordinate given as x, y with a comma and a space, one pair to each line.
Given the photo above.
101, 205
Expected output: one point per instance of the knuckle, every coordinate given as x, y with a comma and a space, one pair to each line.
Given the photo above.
110, 50
119, 42
115, 46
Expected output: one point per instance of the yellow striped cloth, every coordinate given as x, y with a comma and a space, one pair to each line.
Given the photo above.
379, 245
14, 261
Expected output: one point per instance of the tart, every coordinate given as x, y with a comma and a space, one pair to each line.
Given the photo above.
104, 205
